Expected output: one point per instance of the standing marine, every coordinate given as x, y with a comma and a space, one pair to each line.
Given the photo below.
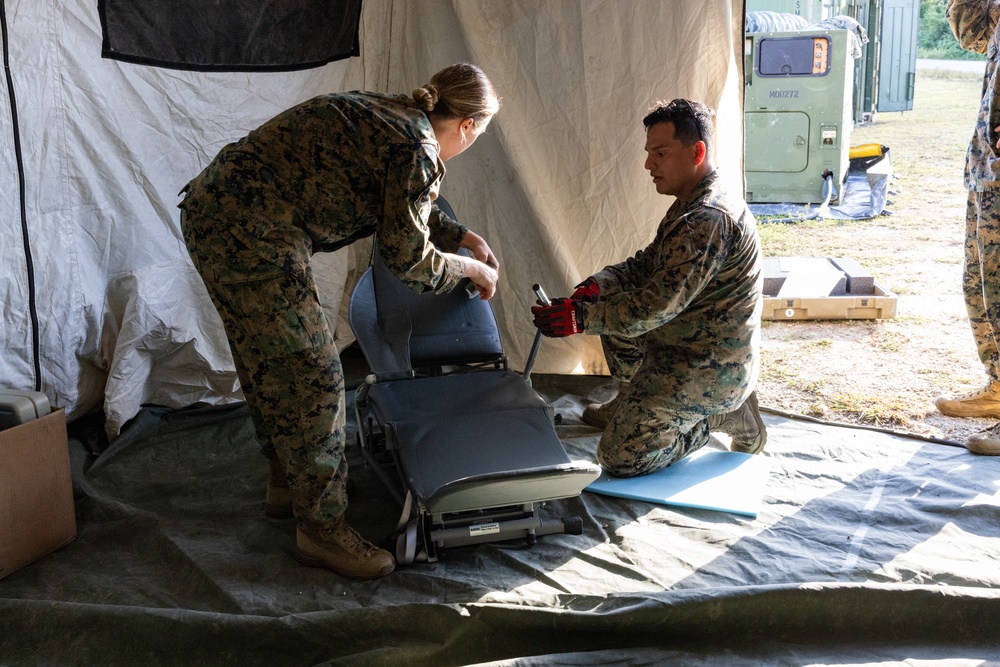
975, 24
315, 178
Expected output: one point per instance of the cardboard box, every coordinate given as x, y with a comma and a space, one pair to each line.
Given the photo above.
37, 515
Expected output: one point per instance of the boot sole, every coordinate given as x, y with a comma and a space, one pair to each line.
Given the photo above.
596, 423
756, 449
983, 414
758, 443
312, 561
983, 449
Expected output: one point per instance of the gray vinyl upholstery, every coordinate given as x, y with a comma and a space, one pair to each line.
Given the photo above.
477, 438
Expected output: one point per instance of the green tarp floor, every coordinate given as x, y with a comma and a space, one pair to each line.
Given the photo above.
871, 548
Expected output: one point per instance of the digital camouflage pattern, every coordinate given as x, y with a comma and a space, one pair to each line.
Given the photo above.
314, 178
680, 323
981, 275
329, 171
975, 27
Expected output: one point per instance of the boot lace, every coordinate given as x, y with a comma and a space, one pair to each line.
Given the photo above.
992, 430
982, 392
348, 538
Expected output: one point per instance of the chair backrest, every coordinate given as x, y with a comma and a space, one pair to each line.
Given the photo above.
401, 332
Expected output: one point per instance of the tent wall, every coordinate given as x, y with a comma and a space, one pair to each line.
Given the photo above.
89, 229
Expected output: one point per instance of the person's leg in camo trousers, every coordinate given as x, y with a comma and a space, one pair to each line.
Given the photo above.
981, 288
643, 434
981, 277
662, 414
297, 387
624, 356
294, 387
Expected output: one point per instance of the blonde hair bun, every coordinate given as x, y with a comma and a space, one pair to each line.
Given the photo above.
459, 91
426, 97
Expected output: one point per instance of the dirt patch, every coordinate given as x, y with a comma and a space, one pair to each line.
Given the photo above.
888, 373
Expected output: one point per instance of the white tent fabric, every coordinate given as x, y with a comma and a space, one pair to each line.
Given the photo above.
101, 306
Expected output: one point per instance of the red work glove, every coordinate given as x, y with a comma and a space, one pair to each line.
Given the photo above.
560, 319
588, 291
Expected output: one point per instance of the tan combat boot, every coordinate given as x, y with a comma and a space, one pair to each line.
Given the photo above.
984, 402
599, 414
744, 424
338, 547
985, 442
278, 498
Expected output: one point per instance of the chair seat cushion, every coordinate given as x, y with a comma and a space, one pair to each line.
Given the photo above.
476, 440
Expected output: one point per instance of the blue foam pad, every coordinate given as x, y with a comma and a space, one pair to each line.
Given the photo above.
706, 479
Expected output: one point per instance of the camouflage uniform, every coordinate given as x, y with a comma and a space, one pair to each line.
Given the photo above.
975, 26
680, 323
315, 178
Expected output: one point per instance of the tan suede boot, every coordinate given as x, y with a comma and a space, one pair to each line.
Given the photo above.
278, 498
984, 402
338, 547
985, 442
744, 424
599, 414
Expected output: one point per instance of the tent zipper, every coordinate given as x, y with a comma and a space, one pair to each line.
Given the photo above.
29, 265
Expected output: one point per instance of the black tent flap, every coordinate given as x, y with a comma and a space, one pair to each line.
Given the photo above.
228, 35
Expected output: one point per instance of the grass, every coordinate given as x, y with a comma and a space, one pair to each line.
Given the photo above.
888, 372
875, 410
927, 148
954, 76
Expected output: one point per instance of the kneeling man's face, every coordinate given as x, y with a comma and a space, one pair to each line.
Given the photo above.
671, 164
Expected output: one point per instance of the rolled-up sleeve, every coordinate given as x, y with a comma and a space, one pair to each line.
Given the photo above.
446, 233
411, 181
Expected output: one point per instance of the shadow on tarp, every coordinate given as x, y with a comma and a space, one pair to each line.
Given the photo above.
872, 528
177, 565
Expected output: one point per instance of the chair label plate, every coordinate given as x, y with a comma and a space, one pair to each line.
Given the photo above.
484, 529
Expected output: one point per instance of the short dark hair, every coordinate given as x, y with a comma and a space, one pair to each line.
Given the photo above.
693, 121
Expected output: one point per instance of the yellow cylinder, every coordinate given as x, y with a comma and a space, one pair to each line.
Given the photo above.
865, 150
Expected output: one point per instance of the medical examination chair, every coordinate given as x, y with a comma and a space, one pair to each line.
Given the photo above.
465, 446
